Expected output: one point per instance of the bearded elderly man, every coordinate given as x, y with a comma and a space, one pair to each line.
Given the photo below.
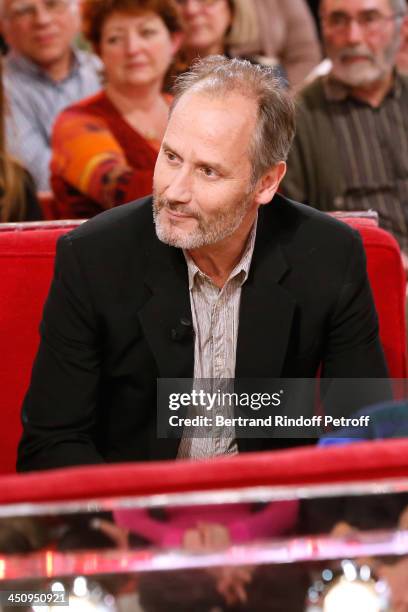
351, 147
214, 277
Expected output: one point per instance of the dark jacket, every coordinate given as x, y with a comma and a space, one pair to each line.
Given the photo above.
118, 294
315, 171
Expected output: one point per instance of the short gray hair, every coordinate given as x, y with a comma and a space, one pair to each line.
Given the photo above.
398, 6
275, 126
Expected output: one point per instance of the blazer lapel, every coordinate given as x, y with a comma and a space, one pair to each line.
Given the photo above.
266, 311
171, 342
165, 314
265, 317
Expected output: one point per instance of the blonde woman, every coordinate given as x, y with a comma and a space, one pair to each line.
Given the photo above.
269, 31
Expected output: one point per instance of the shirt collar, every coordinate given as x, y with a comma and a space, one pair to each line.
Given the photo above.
241, 269
26, 65
336, 91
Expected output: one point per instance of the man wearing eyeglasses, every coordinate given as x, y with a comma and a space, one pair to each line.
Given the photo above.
43, 74
351, 147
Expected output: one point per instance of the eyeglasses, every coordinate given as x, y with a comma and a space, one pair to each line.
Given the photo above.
369, 21
203, 3
22, 11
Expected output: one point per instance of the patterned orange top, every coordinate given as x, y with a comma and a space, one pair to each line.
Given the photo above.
99, 160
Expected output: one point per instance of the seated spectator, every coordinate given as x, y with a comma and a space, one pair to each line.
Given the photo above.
43, 74
105, 147
402, 57
268, 31
209, 526
351, 147
18, 200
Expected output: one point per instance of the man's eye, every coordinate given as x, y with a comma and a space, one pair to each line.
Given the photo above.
170, 156
22, 10
208, 171
370, 17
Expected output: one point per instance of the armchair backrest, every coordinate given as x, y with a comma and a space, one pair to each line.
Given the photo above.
388, 284
27, 254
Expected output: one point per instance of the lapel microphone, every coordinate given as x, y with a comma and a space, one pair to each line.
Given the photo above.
183, 331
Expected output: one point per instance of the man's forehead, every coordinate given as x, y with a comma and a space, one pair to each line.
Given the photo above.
213, 129
217, 110
355, 6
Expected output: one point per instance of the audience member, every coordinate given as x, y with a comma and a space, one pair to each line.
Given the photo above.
267, 31
402, 57
105, 147
187, 525
43, 74
18, 200
314, 7
351, 147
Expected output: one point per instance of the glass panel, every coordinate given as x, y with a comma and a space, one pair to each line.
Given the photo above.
309, 549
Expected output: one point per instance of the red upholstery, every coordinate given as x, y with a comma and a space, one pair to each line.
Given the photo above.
387, 279
366, 461
26, 263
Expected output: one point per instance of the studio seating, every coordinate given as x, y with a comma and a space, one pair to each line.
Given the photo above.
388, 284
27, 252
26, 263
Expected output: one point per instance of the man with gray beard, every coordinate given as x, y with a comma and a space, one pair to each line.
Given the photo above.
216, 277
351, 148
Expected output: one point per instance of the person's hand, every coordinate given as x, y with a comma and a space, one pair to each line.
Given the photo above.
118, 535
342, 530
206, 537
396, 576
231, 583
192, 541
403, 519
214, 536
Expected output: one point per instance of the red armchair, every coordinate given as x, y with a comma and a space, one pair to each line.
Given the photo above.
26, 263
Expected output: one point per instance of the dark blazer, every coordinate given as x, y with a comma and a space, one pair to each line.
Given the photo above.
118, 294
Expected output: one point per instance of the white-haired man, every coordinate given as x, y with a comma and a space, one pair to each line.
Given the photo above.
222, 279
351, 147
43, 73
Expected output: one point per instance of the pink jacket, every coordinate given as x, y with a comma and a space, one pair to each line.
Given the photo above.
244, 524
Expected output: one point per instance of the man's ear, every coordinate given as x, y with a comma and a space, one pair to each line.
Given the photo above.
269, 183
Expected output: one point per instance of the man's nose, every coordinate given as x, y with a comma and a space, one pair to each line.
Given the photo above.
354, 33
42, 15
179, 189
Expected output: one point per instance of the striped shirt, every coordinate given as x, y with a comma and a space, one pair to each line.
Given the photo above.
35, 100
373, 149
215, 314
